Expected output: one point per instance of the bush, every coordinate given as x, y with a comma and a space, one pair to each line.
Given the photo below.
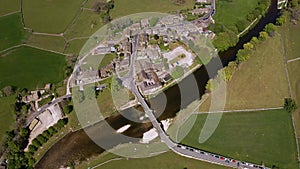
41, 139
36, 142
52, 130
290, 105
32, 148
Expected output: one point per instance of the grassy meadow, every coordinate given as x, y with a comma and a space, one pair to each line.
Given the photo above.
9, 6
54, 43
263, 136
123, 8
12, 32
75, 46
260, 82
30, 68
87, 23
51, 16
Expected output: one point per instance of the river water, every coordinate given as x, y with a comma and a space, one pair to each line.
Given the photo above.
77, 146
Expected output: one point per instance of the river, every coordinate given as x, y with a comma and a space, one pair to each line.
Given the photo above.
77, 146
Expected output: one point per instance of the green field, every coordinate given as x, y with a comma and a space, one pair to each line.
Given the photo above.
30, 68
47, 42
260, 82
6, 114
123, 8
12, 32
50, 16
8, 6
75, 46
290, 34
230, 12
87, 23
264, 136
168, 160
294, 70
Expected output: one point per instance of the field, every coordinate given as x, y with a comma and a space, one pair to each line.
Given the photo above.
163, 161
6, 114
47, 42
123, 8
229, 12
30, 68
12, 32
46, 16
264, 136
8, 6
75, 46
260, 82
87, 23
290, 34
294, 69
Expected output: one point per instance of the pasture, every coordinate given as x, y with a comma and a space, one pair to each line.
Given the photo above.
31, 68
262, 136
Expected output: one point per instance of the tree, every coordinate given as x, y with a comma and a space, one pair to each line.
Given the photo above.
263, 36
243, 55
212, 84
281, 20
290, 105
248, 46
41, 139
52, 130
241, 25
68, 109
46, 134
270, 29
36, 143
32, 148
254, 41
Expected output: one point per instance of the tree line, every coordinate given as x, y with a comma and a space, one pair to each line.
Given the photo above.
227, 36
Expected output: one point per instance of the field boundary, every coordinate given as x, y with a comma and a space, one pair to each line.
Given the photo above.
291, 95
108, 161
242, 110
11, 13
293, 60
248, 27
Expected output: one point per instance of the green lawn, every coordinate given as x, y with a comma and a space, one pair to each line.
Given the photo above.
264, 136
6, 114
260, 82
50, 16
8, 6
31, 68
12, 32
47, 42
228, 12
87, 23
163, 161
75, 46
123, 8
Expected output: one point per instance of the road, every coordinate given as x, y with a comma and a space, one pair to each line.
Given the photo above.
175, 147
209, 14
45, 107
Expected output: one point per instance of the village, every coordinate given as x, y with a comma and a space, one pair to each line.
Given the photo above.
163, 57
